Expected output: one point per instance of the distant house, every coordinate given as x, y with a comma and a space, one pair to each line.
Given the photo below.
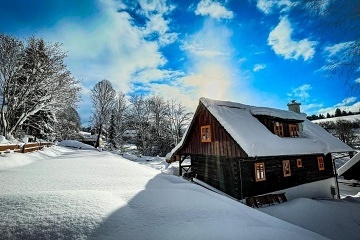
248, 151
351, 169
130, 135
90, 139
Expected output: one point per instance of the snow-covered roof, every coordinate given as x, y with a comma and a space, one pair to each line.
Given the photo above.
277, 113
256, 140
349, 164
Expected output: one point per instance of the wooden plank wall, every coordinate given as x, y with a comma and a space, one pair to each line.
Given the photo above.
25, 148
222, 143
221, 173
275, 179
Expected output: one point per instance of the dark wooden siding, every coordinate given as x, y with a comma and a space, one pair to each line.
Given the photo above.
221, 173
222, 143
275, 179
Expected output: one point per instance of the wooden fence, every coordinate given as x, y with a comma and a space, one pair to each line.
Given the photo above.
25, 148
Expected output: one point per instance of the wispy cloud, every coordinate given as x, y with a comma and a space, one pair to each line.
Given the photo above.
339, 48
211, 41
357, 80
258, 67
347, 104
281, 42
213, 9
269, 6
301, 92
311, 108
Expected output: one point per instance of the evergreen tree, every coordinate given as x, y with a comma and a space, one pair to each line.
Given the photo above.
328, 115
337, 112
112, 132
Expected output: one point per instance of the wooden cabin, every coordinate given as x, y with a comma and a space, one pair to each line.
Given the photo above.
248, 151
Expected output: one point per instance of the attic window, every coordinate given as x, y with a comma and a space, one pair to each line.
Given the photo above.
286, 168
321, 164
293, 130
205, 133
260, 172
278, 129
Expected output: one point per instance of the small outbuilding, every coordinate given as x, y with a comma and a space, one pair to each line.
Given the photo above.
247, 151
351, 169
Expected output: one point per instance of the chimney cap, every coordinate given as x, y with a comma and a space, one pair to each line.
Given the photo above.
293, 102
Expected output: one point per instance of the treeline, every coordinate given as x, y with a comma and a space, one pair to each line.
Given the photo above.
37, 91
158, 124
338, 113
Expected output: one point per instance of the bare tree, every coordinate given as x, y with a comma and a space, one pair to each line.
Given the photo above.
343, 19
103, 98
139, 120
345, 132
179, 118
118, 122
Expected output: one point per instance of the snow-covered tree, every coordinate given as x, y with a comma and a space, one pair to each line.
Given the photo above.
103, 97
138, 116
67, 124
11, 52
119, 119
160, 135
39, 87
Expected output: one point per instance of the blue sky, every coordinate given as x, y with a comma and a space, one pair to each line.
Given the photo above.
262, 53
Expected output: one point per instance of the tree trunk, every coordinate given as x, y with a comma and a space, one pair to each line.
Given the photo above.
97, 144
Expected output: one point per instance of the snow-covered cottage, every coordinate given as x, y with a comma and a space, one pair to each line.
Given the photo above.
248, 151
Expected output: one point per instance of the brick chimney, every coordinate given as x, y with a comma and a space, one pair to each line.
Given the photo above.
294, 106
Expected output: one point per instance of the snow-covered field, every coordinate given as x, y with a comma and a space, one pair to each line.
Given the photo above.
68, 193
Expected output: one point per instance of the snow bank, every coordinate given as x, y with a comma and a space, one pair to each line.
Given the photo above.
335, 219
100, 195
350, 118
11, 160
75, 144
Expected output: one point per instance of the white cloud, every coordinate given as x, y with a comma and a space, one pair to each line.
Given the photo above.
348, 104
269, 6
114, 48
213, 9
301, 92
155, 6
281, 42
336, 49
311, 108
153, 74
159, 26
357, 80
258, 67
210, 42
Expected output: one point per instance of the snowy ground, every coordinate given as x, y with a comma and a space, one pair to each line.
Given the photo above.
68, 193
